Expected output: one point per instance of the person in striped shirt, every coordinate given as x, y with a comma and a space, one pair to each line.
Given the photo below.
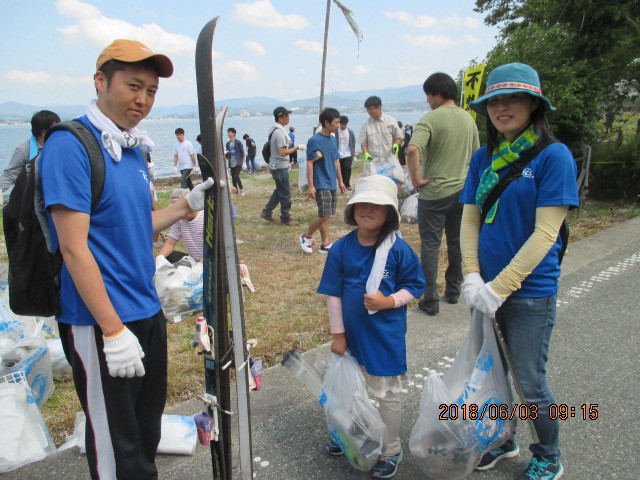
189, 229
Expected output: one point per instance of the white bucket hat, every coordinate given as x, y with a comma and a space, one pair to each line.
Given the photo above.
375, 189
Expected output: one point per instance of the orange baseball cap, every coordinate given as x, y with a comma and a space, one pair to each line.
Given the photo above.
131, 51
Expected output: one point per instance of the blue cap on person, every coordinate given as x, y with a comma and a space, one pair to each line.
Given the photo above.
511, 78
131, 51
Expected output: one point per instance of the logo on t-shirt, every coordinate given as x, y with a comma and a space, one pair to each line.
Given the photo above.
527, 172
386, 274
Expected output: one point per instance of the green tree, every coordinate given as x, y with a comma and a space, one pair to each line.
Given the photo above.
587, 54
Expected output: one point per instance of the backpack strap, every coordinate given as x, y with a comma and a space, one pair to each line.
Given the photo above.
94, 152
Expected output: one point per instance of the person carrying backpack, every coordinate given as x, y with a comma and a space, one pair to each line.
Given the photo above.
111, 324
511, 248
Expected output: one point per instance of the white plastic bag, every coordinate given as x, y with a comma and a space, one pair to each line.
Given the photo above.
179, 435
303, 181
389, 167
25, 437
179, 287
448, 448
31, 356
409, 209
354, 423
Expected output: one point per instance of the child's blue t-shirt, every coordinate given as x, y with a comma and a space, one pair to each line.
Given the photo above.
120, 230
548, 180
324, 169
377, 341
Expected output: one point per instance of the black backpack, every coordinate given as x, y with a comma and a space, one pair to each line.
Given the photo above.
34, 269
266, 148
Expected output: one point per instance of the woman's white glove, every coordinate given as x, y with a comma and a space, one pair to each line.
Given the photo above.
175, 170
488, 300
470, 286
195, 198
124, 355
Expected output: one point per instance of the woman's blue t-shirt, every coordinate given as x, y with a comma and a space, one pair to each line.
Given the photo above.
377, 341
548, 180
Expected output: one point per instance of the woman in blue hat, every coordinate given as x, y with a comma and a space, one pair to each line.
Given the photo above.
511, 250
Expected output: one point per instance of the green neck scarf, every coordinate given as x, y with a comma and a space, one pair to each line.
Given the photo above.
503, 155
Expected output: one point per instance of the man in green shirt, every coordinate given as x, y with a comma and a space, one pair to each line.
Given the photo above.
438, 157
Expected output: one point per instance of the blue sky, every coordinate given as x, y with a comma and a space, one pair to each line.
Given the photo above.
262, 48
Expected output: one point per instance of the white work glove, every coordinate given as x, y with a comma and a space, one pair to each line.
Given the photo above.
195, 198
488, 300
302, 147
471, 284
124, 355
196, 169
175, 170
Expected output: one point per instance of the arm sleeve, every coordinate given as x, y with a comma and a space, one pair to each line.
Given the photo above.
401, 297
469, 231
545, 233
334, 306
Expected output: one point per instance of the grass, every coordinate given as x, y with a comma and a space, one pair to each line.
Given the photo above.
284, 312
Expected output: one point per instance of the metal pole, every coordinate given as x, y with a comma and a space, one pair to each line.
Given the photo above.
324, 55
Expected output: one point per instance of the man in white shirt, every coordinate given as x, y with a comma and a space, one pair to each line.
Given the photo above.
184, 159
347, 147
380, 136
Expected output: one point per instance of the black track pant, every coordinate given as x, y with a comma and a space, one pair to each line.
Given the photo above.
123, 414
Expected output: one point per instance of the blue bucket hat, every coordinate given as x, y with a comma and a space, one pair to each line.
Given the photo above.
511, 78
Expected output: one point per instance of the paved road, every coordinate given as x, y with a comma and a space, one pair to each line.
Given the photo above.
593, 360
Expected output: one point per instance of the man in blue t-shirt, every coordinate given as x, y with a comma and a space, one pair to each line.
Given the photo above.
323, 166
111, 324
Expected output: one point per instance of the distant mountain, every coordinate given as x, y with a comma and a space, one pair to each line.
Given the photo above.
401, 98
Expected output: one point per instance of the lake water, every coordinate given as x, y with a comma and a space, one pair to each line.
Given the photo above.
162, 133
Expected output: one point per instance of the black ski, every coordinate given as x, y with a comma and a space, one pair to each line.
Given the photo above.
214, 298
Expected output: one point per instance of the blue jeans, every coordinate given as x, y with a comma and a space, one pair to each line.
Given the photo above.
281, 195
251, 163
185, 179
526, 324
435, 217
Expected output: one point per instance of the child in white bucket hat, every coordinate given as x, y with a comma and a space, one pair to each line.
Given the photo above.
369, 277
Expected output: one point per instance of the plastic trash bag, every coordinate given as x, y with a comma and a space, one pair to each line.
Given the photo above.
179, 286
409, 209
389, 167
354, 423
25, 437
31, 356
60, 367
303, 182
178, 435
451, 448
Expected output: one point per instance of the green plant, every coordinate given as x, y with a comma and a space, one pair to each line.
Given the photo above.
616, 171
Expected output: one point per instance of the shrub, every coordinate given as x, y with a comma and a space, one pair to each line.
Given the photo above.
616, 171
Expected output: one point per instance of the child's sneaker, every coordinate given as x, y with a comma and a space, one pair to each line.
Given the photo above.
387, 466
539, 468
306, 244
333, 448
506, 450
325, 248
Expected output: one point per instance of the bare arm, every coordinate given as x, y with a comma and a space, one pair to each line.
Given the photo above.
311, 189
193, 159
168, 246
341, 185
73, 231
284, 151
169, 215
413, 160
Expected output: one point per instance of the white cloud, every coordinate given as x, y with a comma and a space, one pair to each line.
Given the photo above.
315, 47
360, 70
426, 21
254, 47
94, 28
470, 39
456, 21
418, 21
434, 42
39, 78
263, 14
236, 70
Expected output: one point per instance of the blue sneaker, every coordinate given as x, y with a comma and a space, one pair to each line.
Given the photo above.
506, 450
387, 466
539, 468
333, 448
